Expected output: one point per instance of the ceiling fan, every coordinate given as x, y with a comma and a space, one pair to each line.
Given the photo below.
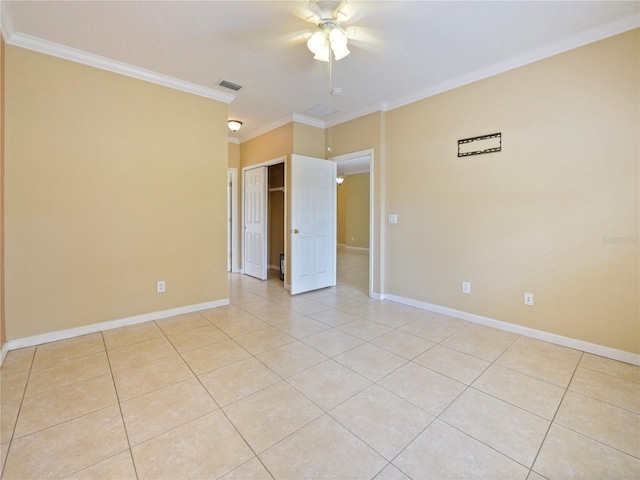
329, 36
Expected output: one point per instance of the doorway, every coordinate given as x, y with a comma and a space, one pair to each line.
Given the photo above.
309, 235
264, 207
357, 166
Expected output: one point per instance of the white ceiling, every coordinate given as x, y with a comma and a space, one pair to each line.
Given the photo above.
402, 50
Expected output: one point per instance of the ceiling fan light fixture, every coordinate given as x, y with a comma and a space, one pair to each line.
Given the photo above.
329, 36
337, 37
234, 125
323, 55
317, 42
340, 51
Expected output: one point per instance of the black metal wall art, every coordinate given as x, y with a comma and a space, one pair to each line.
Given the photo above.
479, 145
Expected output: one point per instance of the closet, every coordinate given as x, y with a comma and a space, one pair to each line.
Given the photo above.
275, 216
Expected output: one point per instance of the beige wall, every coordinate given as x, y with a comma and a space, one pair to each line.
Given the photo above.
269, 146
537, 217
233, 151
308, 140
356, 222
3, 335
112, 184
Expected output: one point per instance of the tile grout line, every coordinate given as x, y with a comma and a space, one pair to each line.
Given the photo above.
552, 422
221, 408
15, 425
124, 424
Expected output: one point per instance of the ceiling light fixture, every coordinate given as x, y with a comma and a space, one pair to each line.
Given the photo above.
329, 37
339, 180
234, 125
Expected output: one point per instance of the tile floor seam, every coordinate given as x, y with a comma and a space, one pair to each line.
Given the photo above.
612, 447
637, 413
467, 387
116, 402
124, 423
371, 446
528, 375
487, 445
15, 424
610, 374
553, 419
509, 403
257, 454
313, 401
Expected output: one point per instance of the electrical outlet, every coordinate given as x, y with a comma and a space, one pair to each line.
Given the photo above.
466, 288
160, 286
393, 218
528, 298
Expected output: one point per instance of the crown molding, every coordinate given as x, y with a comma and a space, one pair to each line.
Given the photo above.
312, 121
79, 56
6, 22
267, 128
377, 107
577, 41
292, 117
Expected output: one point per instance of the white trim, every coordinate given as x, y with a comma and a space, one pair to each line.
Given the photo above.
235, 261
360, 249
601, 350
78, 56
305, 120
337, 120
3, 352
6, 22
291, 118
268, 163
110, 325
233, 140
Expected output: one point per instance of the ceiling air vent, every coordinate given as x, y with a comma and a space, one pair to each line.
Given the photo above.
232, 86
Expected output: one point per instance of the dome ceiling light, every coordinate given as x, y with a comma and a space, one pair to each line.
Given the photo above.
330, 36
234, 125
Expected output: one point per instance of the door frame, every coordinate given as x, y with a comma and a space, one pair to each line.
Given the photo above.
233, 265
268, 163
372, 247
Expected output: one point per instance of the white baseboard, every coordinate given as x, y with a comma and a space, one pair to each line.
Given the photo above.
613, 353
378, 296
359, 249
109, 325
3, 352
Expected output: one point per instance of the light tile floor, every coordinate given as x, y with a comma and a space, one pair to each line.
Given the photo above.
329, 384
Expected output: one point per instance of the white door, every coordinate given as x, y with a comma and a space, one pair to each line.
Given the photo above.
313, 224
255, 223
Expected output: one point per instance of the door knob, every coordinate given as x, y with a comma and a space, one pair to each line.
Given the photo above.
296, 230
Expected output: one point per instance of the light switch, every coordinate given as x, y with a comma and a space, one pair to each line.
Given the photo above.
393, 218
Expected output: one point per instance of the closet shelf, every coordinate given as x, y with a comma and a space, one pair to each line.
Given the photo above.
277, 189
